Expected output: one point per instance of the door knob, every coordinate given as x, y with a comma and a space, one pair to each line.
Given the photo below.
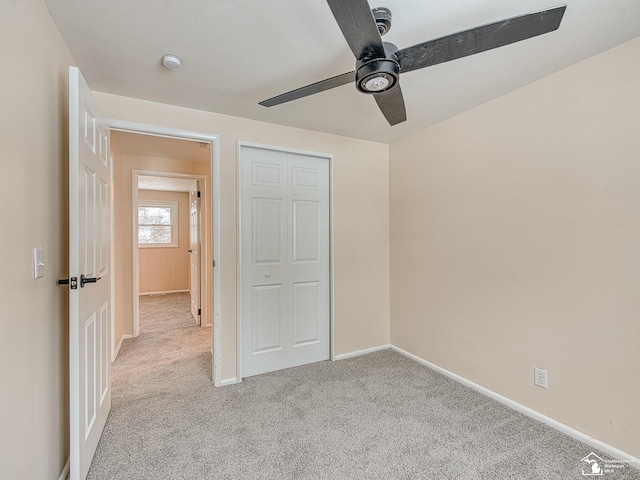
190, 251
267, 275
72, 282
84, 280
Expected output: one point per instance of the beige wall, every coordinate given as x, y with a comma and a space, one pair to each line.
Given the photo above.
360, 220
33, 201
123, 211
166, 269
515, 242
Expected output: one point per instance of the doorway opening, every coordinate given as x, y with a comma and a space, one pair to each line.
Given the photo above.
166, 227
168, 238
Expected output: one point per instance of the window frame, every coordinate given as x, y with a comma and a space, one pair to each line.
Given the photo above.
173, 205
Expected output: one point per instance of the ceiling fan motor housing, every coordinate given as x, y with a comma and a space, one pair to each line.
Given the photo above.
382, 17
377, 75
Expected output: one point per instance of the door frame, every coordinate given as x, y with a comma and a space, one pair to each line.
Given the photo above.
329, 158
135, 262
215, 232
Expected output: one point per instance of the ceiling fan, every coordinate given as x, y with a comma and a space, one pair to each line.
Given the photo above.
379, 64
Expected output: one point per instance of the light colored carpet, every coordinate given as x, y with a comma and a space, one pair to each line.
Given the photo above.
379, 416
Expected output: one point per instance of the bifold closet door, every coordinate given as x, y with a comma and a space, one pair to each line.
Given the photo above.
285, 286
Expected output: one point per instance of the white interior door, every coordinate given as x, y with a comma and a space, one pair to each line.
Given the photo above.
285, 291
89, 293
194, 250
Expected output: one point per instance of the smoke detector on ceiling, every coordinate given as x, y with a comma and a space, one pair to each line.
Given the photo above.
172, 62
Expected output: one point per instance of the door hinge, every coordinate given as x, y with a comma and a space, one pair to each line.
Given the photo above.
199, 311
214, 263
198, 193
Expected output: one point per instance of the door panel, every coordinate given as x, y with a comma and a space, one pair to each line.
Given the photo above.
306, 231
103, 356
90, 360
284, 238
305, 178
309, 257
89, 230
270, 175
89, 307
268, 301
305, 313
104, 227
268, 230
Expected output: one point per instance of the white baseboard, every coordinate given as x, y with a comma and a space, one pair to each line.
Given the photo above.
162, 292
122, 339
583, 437
357, 353
342, 356
65, 471
228, 381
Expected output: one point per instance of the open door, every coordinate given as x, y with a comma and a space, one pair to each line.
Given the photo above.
194, 251
89, 282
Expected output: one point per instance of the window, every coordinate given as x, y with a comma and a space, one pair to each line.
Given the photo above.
157, 223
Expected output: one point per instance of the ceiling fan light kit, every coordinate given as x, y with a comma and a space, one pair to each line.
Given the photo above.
377, 75
379, 64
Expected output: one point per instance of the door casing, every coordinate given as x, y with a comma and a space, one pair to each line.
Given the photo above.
215, 297
329, 157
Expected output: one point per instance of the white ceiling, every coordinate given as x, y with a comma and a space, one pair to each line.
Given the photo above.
236, 53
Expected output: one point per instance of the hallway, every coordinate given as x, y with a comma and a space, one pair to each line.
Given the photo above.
169, 338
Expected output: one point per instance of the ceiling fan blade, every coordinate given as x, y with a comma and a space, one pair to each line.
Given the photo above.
358, 26
479, 39
317, 87
391, 105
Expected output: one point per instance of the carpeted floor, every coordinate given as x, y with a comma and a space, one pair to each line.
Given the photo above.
378, 416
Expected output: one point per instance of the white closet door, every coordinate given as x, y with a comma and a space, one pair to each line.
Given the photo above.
285, 291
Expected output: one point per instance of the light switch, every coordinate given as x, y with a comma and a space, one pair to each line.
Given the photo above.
38, 263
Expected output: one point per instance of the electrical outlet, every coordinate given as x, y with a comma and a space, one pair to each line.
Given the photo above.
540, 378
